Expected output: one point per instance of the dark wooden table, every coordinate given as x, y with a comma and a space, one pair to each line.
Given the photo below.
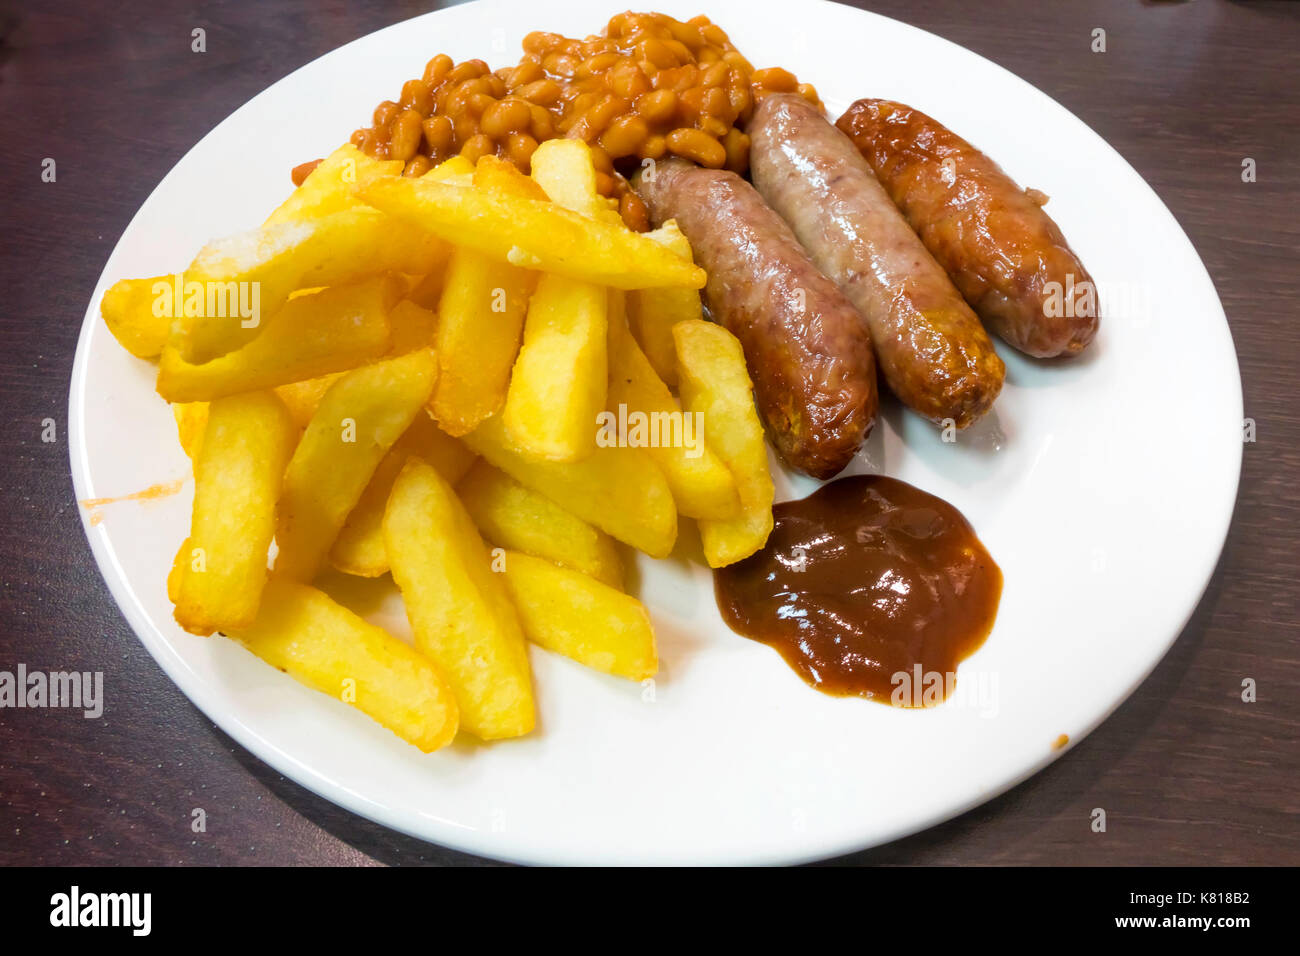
1186, 771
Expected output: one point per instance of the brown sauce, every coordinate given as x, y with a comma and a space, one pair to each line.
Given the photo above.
864, 580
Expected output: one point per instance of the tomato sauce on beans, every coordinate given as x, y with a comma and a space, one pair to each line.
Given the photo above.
649, 86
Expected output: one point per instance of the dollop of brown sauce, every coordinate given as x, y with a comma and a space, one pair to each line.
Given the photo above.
862, 581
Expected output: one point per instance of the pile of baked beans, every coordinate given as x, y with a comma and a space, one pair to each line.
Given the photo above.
649, 86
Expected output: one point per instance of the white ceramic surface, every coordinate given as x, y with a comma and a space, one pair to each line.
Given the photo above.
1103, 487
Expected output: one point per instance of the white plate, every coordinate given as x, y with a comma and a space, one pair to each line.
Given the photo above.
1103, 487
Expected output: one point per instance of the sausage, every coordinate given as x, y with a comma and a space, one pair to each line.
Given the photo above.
808, 355
932, 350
1003, 252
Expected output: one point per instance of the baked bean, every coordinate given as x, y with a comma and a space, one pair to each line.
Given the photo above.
506, 116
596, 65
464, 71
605, 112
680, 51
385, 113
714, 126
655, 147
658, 106
716, 74
406, 135
542, 126
528, 71
438, 135
479, 103
697, 146
774, 80
302, 171
476, 147
736, 145
600, 159
560, 64
540, 43
625, 135
437, 69
655, 51
417, 166
634, 212
520, 148
541, 92
465, 127
417, 96
605, 184
627, 80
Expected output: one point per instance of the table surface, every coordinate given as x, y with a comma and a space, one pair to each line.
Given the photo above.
1187, 772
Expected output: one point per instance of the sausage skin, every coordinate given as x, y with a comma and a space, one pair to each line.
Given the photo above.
807, 352
1003, 252
932, 349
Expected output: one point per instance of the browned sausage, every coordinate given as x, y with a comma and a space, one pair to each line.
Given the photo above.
1005, 255
809, 357
932, 350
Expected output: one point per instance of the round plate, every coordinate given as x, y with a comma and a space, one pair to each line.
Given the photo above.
1105, 503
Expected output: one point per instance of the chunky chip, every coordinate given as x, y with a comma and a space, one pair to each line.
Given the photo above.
652, 313
331, 186
513, 516
619, 490
480, 317
458, 606
533, 234
573, 614
303, 632
216, 582
358, 420
559, 380
715, 383
331, 330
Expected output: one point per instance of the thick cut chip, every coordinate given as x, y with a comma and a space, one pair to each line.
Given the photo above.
513, 516
643, 412
303, 632
256, 273
327, 331
533, 234
480, 317
358, 420
652, 313
331, 186
216, 582
458, 606
715, 383
359, 548
619, 490
575, 615
559, 380
564, 169
128, 311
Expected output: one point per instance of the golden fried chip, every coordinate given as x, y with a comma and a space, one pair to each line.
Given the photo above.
459, 608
